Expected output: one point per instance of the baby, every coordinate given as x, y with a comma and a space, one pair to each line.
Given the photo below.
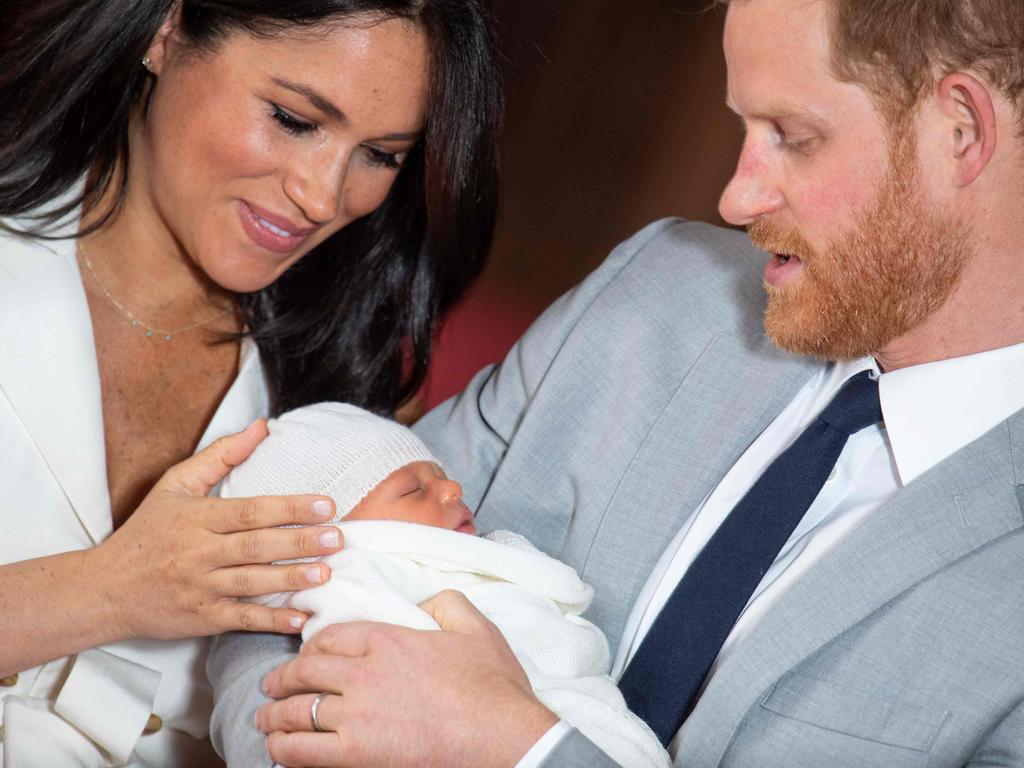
408, 535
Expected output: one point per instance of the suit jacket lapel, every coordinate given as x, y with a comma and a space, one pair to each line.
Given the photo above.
717, 410
48, 371
960, 505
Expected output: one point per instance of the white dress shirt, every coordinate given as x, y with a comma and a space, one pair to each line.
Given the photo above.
930, 412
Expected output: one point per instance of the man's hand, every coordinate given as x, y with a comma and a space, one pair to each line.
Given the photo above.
399, 697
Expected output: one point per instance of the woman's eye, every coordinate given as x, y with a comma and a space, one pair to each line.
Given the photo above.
290, 122
378, 157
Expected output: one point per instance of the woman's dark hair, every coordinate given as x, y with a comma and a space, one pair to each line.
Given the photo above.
354, 319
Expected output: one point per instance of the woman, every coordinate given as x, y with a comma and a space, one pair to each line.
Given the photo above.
215, 210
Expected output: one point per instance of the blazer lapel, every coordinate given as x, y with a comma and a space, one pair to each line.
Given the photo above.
48, 370
960, 505
718, 409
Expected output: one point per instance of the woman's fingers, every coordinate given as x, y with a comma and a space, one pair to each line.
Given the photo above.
234, 515
197, 475
251, 617
271, 544
253, 580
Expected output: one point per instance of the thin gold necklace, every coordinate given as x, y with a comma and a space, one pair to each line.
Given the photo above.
151, 331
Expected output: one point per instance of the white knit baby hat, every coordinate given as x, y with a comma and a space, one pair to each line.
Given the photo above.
328, 449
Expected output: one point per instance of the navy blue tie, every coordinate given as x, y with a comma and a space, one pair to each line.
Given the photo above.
674, 658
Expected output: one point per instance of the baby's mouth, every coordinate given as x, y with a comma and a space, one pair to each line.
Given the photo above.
467, 524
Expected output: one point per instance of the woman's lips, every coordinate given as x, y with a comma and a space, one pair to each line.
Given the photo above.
271, 232
782, 268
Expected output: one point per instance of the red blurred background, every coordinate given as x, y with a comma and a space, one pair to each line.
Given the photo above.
616, 117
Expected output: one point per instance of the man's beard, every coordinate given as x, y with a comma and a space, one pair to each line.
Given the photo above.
872, 285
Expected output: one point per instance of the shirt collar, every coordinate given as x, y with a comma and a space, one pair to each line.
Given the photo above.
933, 410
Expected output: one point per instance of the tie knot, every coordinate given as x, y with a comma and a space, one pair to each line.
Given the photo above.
855, 406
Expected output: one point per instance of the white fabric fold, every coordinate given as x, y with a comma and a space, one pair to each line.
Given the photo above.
387, 568
37, 737
109, 699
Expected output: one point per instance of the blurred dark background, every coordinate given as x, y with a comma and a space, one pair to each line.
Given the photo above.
616, 117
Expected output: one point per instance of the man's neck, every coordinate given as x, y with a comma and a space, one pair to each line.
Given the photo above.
985, 312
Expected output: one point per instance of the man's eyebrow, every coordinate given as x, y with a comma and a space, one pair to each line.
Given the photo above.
777, 112
318, 101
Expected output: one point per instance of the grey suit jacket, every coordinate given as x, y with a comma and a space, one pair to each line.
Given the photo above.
606, 426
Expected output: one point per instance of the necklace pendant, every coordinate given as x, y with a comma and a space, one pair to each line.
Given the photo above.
167, 337
149, 332
135, 323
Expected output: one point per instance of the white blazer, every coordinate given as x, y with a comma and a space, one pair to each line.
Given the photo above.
90, 709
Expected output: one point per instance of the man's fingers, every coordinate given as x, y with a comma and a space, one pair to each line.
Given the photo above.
295, 713
454, 613
351, 639
198, 474
301, 749
236, 515
308, 673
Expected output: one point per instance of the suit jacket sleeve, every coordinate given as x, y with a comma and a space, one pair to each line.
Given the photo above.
577, 751
469, 434
1004, 745
237, 663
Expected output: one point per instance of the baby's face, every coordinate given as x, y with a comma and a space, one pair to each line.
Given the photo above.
417, 493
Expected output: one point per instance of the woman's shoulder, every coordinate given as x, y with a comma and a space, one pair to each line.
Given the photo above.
32, 246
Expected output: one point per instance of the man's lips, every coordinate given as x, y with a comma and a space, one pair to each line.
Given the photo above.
781, 268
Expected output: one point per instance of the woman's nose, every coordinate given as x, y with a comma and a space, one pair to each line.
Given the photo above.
316, 187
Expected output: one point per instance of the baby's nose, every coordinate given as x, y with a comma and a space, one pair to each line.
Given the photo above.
451, 491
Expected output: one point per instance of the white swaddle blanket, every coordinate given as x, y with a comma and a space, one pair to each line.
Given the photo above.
387, 568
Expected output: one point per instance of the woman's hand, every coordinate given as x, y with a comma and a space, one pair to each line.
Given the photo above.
398, 697
177, 567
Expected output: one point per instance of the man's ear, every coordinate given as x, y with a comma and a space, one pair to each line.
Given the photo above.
966, 103
167, 38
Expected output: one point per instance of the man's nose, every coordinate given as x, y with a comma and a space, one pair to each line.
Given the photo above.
751, 193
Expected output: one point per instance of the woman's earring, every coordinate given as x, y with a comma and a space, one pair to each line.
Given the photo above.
147, 64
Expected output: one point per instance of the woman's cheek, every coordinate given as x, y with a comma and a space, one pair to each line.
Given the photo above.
365, 191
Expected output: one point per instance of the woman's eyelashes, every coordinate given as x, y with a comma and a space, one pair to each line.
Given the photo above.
296, 126
290, 123
378, 157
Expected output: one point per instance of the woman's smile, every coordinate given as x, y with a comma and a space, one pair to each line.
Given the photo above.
271, 231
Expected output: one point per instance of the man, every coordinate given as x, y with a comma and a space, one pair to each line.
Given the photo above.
645, 413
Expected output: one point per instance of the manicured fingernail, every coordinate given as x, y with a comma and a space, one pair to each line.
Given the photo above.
296, 622
329, 539
322, 508
313, 577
